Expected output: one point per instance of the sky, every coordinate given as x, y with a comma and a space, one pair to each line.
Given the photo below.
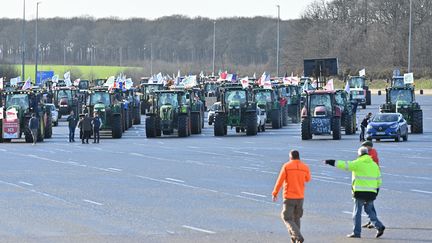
153, 9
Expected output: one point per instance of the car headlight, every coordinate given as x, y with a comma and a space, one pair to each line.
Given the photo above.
394, 126
369, 127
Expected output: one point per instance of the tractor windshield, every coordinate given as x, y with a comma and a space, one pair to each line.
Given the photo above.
398, 82
356, 82
21, 100
263, 96
210, 87
100, 98
340, 99
320, 102
235, 96
168, 99
402, 95
306, 84
152, 87
64, 93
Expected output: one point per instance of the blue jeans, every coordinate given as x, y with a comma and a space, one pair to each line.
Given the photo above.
370, 211
71, 134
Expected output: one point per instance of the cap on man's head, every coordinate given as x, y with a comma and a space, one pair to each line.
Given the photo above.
367, 143
362, 151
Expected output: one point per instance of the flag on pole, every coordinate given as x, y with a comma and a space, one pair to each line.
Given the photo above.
55, 78
329, 85
15, 81
224, 75
159, 78
362, 72
67, 79
347, 87
76, 82
27, 84
1, 83
245, 82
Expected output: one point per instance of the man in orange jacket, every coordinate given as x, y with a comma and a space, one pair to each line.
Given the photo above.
293, 176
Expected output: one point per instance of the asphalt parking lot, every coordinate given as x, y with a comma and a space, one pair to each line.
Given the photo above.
205, 188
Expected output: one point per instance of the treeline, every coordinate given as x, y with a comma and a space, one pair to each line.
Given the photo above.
371, 34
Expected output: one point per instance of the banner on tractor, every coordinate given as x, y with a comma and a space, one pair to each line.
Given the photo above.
11, 129
408, 78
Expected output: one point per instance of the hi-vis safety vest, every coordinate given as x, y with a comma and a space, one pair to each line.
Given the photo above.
366, 175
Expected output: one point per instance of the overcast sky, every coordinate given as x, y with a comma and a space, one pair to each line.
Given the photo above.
152, 9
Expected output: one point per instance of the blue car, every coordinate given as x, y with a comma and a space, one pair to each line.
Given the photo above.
387, 126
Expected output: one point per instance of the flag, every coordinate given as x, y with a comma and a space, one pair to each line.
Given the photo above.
267, 84
55, 78
262, 79
306, 85
245, 82
15, 81
224, 75
254, 76
287, 80
27, 84
362, 72
229, 77
159, 78
76, 82
189, 81
67, 79
1, 83
128, 83
329, 85
347, 87
110, 83
408, 78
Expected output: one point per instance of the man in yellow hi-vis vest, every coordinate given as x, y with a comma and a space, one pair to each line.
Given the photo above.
366, 179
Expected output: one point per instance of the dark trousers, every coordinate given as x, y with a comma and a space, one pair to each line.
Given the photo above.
291, 213
71, 134
96, 135
86, 136
362, 133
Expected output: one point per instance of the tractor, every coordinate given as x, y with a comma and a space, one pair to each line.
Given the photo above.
348, 118
64, 100
109, 107
147, 90
292, 94
135, 105
237, 110
320, 115
169, 112
18, 108
267, 100
402, 99
359, 91
197, 110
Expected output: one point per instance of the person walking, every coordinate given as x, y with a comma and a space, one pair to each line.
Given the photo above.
366, 179
34, 126
86, 126
293, 176
97, 123
363, 126
374, 155
72, 123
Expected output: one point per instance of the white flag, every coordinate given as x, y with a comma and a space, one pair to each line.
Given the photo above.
362, 72
408, 78
27, 84
347, 87
15, 81
55, 78
245, 82
1, 83
329, 85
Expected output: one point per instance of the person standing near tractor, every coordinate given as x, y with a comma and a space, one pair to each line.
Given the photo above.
33, 126
293, 176
86, 126
96, 127
72, 123
363, 126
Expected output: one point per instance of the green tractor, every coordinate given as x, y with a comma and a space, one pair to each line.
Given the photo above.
402, 99
359, 91
266, 99
109, 108
237, 110
147, 90
348, 117
169, 112
18, 109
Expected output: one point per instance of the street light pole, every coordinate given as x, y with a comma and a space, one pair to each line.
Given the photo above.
36, 41
23, 42
151, 59
409, 38
214, 47
277, 45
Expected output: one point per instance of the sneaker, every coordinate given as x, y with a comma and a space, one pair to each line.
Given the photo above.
380, 232
366, 225
352, 235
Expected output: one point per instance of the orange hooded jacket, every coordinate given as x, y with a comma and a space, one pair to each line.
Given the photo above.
293, 176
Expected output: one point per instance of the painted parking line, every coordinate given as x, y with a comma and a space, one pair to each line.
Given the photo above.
92, 202
198, 229
421, 191
175, 180
253, 194
25, 183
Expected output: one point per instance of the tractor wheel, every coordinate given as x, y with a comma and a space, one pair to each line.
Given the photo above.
368, 97
417, 122
28, 136
137, 118
143, 108
48, 127
219, 125
276, 122
251, 124
305, 129
364, 106
116, 126
150, 127
348, 123
405, 138
183, 126
285, 116
130, 121
195, 123
237, 129
336, 127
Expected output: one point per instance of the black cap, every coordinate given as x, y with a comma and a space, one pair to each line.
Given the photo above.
367, 143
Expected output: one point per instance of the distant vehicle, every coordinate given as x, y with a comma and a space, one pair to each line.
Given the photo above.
212, 111
359, 91
387, 126
54, 113
261, 119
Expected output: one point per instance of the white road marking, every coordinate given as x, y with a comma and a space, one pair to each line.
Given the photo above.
193, 147
254, 194
115, 169
269, 172
198, 229
427, 192
323, 177
249, 168
3, 150
92, 202
350, 213
172, 179
25, 183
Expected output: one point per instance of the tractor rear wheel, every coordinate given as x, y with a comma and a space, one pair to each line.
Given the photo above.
219, 125
285, 116
305, 129
137, 116
251, 124
336, 128
195, 123
368, 97
417, 122
276, 121
348, 124
183, 126
48, 127
116, 126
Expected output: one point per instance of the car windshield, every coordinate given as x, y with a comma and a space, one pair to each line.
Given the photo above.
168, 99
100, 97
385, 118
235, 96
320, 100
403, 95
263, 96
356, 82
21, 100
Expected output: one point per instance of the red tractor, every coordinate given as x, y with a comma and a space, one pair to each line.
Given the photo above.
321, 115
